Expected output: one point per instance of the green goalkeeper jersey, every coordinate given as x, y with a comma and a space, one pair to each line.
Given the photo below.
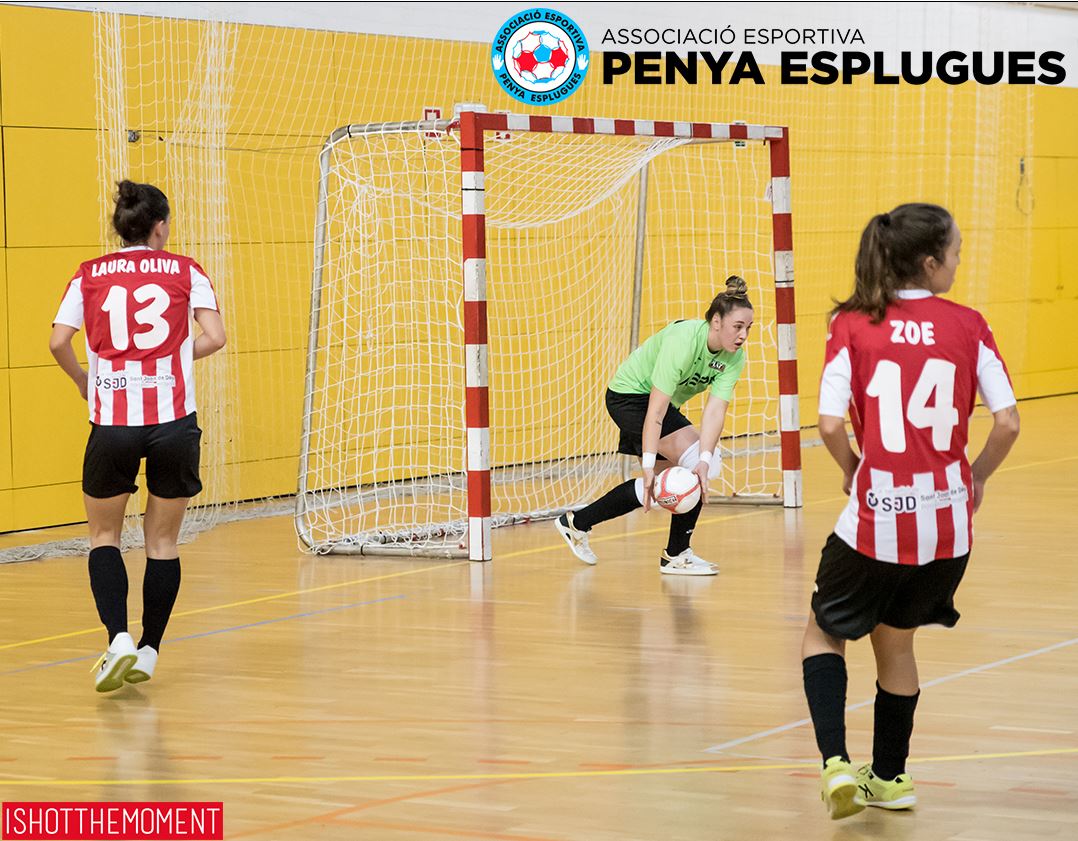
676, 360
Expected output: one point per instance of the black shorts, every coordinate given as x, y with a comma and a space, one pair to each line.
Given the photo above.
171, 451
629, 412
854, 593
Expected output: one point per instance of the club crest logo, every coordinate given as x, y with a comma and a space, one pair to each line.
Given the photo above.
540, 56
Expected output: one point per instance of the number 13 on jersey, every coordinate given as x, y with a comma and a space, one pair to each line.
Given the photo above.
155, 301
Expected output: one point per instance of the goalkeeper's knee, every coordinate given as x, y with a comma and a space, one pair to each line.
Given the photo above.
691, 457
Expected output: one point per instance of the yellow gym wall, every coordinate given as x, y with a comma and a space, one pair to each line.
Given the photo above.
856, 150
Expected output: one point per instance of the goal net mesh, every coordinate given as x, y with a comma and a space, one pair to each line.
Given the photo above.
386, 449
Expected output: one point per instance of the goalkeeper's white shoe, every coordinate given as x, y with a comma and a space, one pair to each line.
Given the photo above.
686, 563
577, 540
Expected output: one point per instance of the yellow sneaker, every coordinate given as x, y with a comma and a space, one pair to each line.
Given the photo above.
838, 789
893, 794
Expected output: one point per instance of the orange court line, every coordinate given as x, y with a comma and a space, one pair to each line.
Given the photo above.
441, 830
373, 804
193, 758
400, 759
1030, 790
297, 757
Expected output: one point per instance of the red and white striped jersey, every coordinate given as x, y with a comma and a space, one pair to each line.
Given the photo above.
910, 384
137, 304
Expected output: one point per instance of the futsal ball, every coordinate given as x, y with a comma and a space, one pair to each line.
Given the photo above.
677, 489
540, 57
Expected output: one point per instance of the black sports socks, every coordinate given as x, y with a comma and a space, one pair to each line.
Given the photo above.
621, 500
681, 528
825, 689
159, 589
108, 581
891, 734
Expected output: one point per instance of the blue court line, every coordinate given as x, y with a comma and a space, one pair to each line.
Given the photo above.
218, 631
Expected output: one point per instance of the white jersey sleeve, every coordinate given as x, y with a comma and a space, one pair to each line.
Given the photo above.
993, 384
202, 294
993, 379
835, 384
70, 312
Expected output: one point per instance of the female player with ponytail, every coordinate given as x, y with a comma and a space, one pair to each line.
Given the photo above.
645, 398
907, 365
136, 305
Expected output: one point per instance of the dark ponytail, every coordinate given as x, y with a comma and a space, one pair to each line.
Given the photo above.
892, 253
138, 208
735, 297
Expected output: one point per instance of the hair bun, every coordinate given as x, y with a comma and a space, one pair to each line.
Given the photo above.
127, 191
736, 287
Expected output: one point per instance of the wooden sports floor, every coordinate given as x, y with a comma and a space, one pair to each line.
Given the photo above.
537, 699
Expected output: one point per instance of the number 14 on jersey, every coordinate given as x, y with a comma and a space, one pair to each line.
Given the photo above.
937, 376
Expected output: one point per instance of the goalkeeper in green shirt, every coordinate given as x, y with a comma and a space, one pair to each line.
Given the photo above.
645, 398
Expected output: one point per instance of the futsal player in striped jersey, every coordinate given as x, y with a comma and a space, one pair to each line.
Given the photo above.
644, 399
136, 305
907, 365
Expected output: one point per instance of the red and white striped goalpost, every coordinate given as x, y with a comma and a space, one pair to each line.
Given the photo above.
477, 396
473, 125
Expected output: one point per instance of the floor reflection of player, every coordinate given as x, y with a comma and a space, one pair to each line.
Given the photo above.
665, 663
131, 732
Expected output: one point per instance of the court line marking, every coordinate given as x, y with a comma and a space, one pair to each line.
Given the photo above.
363, 807
522, 775
793, 725
430, 829
517, 554
276, 596
276, 619
1030, 730
1035, 464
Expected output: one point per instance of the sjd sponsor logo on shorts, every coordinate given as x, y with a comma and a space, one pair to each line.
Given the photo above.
540, 56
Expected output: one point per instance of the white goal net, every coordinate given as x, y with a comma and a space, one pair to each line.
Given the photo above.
578, 267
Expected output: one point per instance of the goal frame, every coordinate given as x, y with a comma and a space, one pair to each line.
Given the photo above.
473, 125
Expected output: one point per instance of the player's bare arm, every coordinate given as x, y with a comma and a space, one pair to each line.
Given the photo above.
64, 354
834, 437
653, 426
212, 338
1005, 427
710, 429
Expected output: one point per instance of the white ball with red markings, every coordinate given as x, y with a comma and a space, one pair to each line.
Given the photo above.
677, 489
